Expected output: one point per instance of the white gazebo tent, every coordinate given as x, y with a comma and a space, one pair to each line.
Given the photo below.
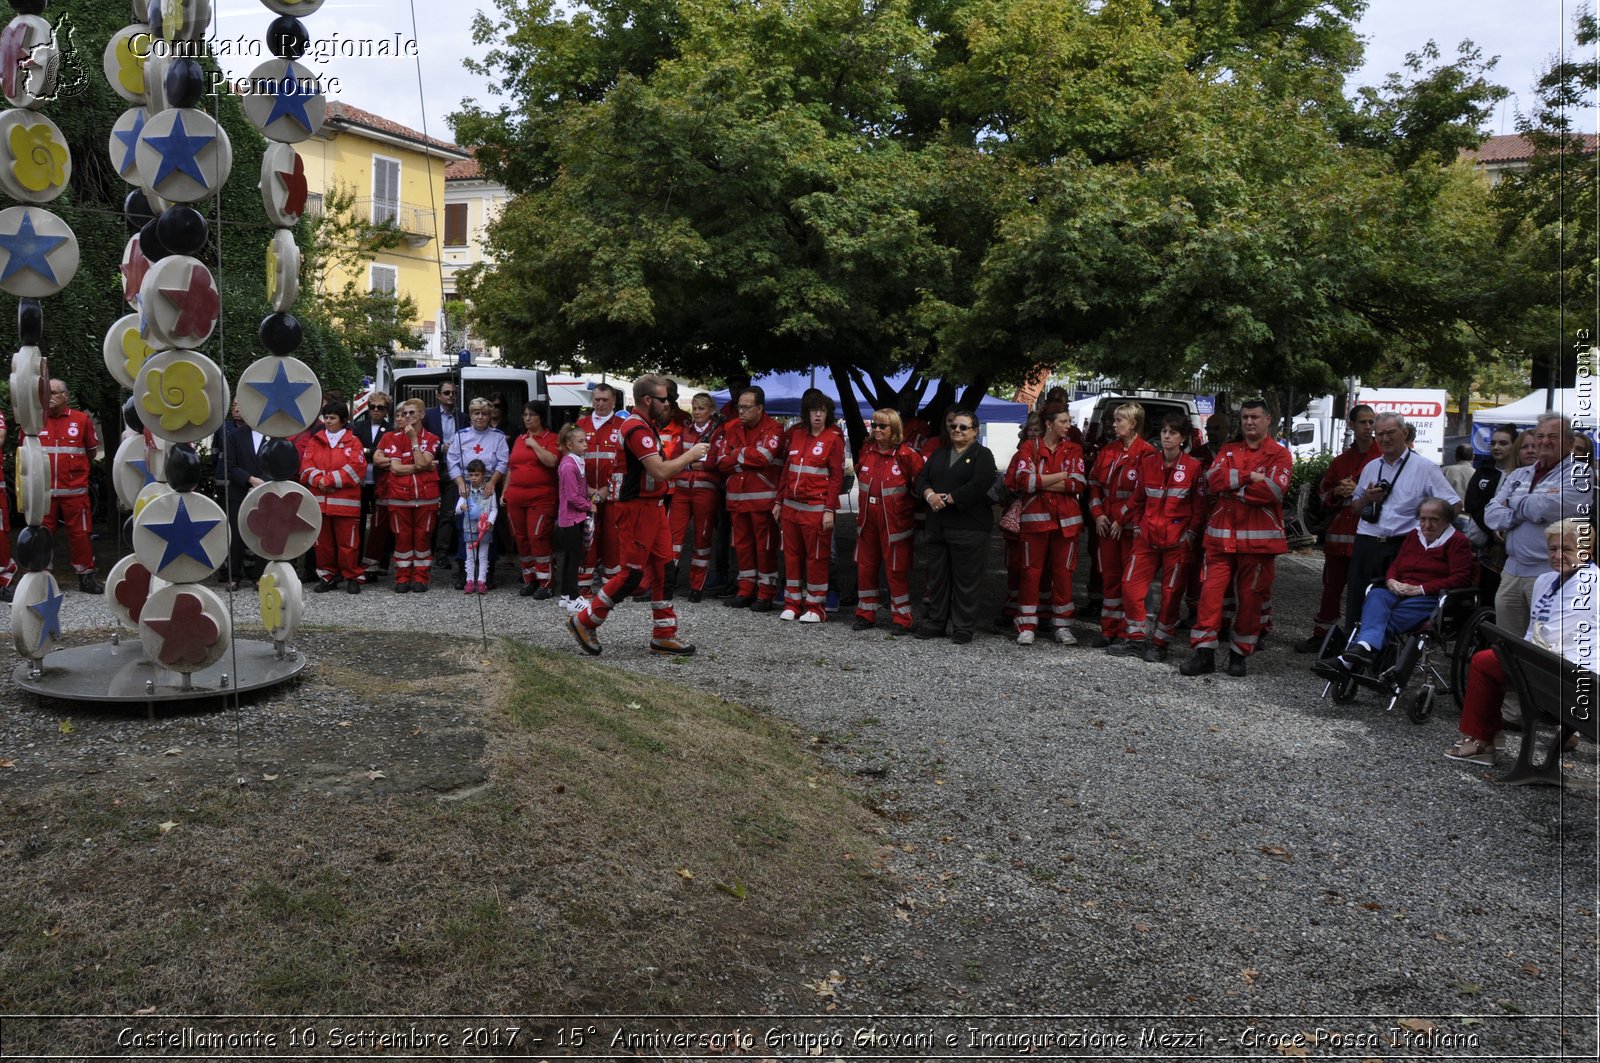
1524, 412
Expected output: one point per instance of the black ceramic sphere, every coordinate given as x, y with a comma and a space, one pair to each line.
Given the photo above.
280, 333
30, 322
136, 210
183, 467
185, 82
36, 548
30, 7
181, 229
131, 416
150, 243
287, 37
280, 459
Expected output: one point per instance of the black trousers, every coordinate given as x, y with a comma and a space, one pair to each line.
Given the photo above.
1369, 561
568, 544
955, 562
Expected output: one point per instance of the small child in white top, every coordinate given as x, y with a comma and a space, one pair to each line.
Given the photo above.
481, 509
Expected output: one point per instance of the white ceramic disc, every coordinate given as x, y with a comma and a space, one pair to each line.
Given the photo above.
36, 614
181, 20
279, 520
134, 268
181, 537
279, 396
297, 8
29, 390
179, 303
38, 252
282, 601
130, 469
185, 627
29, 61
124, 142
182, 396
35, 163
283, 185
184, 155
285, 100
123, 62
33, 481
124, 350
155, 83
283, 271
128, 586
148, 494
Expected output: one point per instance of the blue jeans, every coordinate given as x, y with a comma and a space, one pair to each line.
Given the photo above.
1385, 611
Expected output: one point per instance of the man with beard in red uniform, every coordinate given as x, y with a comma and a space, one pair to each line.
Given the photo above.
1244, 536
602, 426
750, 455
1337, 485
640, 524
69, 443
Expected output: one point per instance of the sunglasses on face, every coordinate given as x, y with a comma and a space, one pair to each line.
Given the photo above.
961, 428
379, 409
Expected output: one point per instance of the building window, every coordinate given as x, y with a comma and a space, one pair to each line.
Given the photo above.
385, 279
455, 225
385, 190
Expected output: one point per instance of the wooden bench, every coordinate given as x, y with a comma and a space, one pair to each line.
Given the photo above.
1553, 691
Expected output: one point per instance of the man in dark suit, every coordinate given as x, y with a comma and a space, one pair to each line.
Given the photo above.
238, 469
377, 540
443, 421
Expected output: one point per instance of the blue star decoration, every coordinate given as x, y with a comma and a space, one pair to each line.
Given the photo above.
143, 468
130, 140
183, 534
282, 395
178, 153
49, 612
27, 250
289, 98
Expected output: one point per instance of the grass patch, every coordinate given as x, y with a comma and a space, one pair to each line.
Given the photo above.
641, 847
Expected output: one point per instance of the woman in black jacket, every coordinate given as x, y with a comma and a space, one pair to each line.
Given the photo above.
955, 484
1480, 490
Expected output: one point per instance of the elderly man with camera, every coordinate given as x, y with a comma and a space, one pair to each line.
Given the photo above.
1387, 496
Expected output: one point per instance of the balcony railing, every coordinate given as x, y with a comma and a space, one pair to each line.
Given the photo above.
418, 223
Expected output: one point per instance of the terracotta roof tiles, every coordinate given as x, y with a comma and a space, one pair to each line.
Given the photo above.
343, 113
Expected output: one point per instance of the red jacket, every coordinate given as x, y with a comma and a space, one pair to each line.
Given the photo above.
1341, 537
1048, 511
1443, 567
529, 481
1248, 516
1114, 481
886, 493
813, 471
1171, 500
68, 440
600, 455
335, 473
702, 475
412, 488
750, 460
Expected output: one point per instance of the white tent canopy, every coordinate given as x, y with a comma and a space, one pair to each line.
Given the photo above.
1523, 413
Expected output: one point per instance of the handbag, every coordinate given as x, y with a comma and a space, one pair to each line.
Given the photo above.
1011, 519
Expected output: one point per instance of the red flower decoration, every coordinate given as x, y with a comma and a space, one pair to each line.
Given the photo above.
134, 590
294, 187
133, 270
188, 634
198, 304
275, 518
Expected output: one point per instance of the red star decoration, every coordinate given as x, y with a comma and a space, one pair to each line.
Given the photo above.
134, 267
294, 187
134, 590
274, 519
198, 304
15, 55
187, 635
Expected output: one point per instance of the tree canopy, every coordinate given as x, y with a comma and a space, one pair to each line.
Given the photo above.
968, 188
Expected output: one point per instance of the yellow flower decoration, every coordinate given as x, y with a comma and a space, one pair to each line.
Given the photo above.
271, 603
177, 395
37, 158
130, 64
272, 272
134, 351
172, 18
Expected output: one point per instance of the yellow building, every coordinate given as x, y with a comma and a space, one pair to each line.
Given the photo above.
396, 174
471, 203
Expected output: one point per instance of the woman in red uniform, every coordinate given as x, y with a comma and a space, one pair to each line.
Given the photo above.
1165, 521
695, 492
334, 466
885, 522
407, 452
1112, 485
1048, 473
530, 500
808, 495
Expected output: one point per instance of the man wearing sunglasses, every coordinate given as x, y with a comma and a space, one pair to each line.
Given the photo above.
377, 541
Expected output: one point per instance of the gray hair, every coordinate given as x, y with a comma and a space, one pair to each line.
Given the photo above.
1390, 415
1444, 505
1551, 415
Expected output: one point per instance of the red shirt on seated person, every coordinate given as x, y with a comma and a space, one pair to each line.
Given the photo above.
1434, 558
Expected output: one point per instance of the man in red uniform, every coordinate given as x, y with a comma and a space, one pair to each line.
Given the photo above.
1164, 521
696, 492
8, 566
69, 442
1337, 485
599, 460
750, 456
1244, 536
640, 524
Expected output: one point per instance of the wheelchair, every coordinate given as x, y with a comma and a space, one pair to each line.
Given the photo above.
1434, 649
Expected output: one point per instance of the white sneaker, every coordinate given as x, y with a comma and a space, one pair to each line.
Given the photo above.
809, 617
787, 614
1025, 638
1066, 637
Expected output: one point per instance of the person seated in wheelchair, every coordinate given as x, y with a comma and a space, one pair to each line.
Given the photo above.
1433, 559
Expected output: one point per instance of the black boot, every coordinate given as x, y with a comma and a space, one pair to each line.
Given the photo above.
1236, 664
1204, 662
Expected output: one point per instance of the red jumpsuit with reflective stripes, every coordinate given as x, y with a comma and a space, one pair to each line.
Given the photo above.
1051, 523
335, 472
1340, 542
809, 488
530, 501
750, 460
644, 543
68, 440
695, 493
885, 525
1167, 517
413, 505
599, 460
1243, 537
8, 567
1113, 483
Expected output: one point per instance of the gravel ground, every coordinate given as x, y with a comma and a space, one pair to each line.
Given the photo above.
1084, 836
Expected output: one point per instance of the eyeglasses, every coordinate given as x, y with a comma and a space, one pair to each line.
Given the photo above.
745, 406
663, 398
880, 424
961, 428
378, 409
406, 412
